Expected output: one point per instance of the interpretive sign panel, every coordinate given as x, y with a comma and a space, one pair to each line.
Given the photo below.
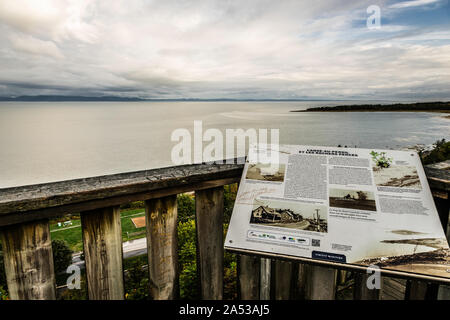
357, 207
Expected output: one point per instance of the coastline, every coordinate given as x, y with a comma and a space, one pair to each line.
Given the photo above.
432, 107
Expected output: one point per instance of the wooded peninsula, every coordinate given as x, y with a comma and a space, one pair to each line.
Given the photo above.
443, 107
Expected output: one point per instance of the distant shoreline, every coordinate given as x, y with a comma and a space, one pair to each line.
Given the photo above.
59, 98
439, 107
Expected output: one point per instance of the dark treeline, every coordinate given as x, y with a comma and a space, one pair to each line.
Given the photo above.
418, 106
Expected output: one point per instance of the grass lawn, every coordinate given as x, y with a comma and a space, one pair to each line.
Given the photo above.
72, 234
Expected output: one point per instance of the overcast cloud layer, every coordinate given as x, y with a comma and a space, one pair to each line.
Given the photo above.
225, 49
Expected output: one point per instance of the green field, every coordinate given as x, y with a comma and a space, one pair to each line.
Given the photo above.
72, 234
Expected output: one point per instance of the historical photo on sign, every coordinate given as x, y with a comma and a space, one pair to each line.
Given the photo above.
352, 199
387, 174
290, 214
266, 172
432, 258
397, 176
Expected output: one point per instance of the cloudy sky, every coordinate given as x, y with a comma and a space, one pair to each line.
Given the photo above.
225, 49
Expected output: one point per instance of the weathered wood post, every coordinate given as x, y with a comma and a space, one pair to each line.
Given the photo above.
302, 272
421, 290
439, 181
417, 290
361, 291
283, 280
248, 277
162, 249
102, 240
265, 279
321, 283
28, 257
444, 290
209, 225
342, 276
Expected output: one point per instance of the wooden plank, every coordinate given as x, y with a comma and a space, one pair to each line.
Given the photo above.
443, 293
301, 272
162, 248
265, 279
342, 276
53, 212
46, 195
28, 258
102, 240
39, 196
448, 225
393, 289
283, 280
209, 225
50, 200
421, 290
248, 277
321, 283
417, 290
438, 175
361, 290
340, 265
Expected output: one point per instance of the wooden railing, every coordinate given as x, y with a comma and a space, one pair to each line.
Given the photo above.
25, 236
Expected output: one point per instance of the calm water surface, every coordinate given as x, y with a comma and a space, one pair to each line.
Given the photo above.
51, 141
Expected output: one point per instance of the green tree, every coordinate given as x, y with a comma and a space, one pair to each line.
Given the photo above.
62, 255
186, 207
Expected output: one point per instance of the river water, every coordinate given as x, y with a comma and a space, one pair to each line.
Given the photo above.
52, 141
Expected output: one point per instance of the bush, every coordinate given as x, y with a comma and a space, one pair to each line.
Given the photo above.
76, 294
229, 197
3, 293
62, 255
187, 256
230, 273
137, 282
381, 160
189, 282
186, 207
441, 152
133, 205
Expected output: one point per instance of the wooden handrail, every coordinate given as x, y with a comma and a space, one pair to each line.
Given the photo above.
438, 175
49, 200
123, 186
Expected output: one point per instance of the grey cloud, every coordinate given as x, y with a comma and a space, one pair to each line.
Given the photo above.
209, 49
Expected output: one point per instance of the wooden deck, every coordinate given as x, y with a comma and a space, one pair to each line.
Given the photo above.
393, 289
